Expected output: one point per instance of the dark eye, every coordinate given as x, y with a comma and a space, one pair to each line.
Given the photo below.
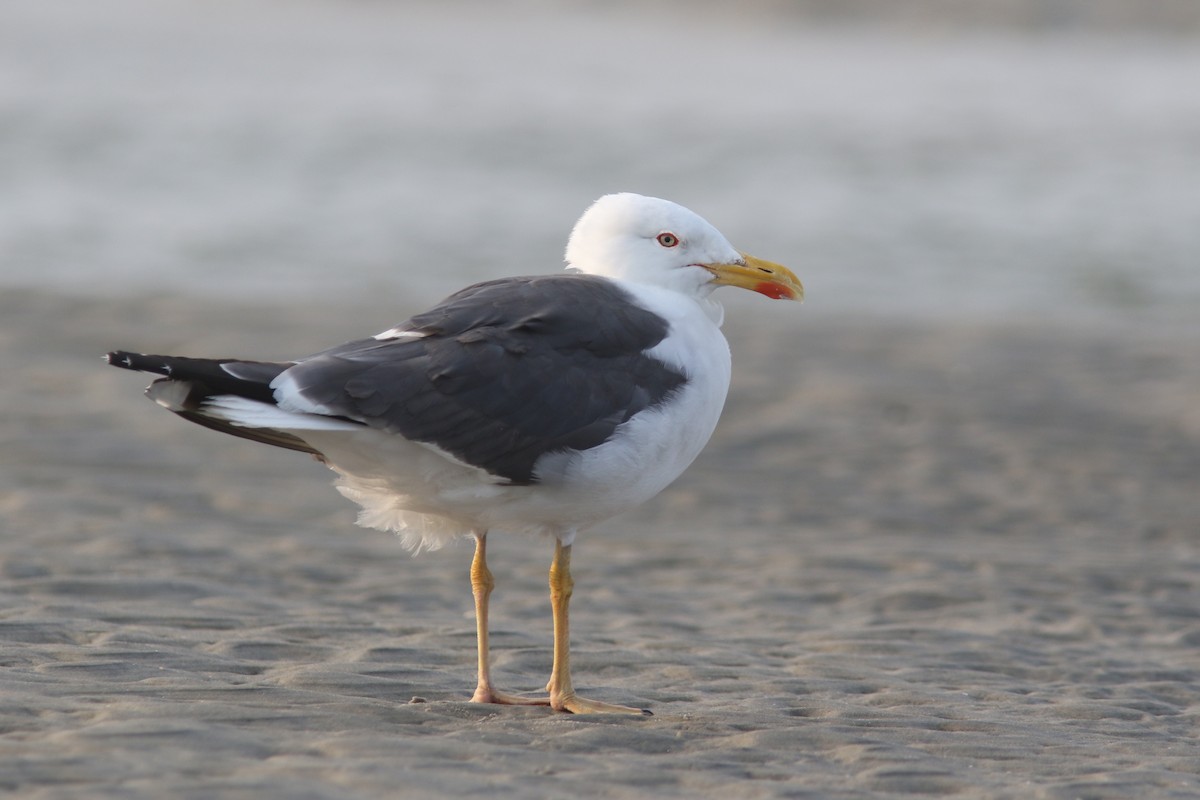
668, 239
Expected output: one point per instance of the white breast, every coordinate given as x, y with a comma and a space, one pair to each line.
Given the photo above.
650, 451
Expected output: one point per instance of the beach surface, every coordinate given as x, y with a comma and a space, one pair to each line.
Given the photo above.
926, 559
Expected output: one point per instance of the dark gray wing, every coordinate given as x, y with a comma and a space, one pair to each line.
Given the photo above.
503, 372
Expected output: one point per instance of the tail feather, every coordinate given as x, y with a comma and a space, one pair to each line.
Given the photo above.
188, 385
212, 376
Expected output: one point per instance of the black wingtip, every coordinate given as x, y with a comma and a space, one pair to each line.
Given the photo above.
120, 358
139, 362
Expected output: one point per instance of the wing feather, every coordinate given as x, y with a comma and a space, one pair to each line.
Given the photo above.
503, 372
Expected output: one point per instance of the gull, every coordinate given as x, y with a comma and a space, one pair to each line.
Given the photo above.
542, 404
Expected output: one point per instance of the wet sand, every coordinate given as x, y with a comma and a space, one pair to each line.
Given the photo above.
943, 558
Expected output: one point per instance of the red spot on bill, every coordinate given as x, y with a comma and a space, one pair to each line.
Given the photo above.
775, 291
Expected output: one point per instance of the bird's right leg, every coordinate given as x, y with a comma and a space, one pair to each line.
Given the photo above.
482, 584
562, 692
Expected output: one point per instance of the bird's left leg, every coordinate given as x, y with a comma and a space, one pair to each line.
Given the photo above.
482, 584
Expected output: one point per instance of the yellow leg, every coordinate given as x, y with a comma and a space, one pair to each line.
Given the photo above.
562, 695
482, 584
562, 692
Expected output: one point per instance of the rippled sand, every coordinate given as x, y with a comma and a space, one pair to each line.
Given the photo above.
937, 559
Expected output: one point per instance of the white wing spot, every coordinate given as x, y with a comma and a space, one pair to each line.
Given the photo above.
399, 333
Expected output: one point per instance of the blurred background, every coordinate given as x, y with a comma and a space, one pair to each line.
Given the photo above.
998, 159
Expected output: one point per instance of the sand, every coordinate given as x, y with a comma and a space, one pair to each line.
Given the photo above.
919, 557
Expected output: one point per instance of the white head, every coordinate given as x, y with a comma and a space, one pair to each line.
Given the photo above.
656, 242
